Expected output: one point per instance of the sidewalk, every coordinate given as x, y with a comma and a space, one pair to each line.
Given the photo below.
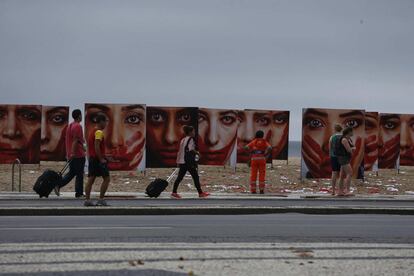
21, 204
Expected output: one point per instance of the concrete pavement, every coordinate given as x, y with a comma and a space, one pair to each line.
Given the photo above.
173, 259
15, 204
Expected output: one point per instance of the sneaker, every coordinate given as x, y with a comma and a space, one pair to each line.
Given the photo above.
57, 190
80, 196
101, 202
261, 192
203, 194
175, 195
88, 203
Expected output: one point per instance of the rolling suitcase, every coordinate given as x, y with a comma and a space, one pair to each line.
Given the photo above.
48, 180
156, 187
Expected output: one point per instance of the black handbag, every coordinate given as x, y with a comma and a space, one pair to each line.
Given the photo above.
191, 157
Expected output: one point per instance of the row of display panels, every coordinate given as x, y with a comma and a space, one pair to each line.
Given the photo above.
382, 140
139, 137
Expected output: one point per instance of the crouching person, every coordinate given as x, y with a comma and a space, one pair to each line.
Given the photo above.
97, 163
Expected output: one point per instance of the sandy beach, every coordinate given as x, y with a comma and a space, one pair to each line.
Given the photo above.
282, 178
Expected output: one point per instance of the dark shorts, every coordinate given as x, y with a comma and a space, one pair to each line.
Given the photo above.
336, 167
344, 160
96, 168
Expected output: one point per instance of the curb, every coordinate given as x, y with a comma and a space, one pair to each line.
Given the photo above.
157, 211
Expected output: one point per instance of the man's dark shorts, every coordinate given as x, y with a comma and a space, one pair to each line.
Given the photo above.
336, 167
96, 168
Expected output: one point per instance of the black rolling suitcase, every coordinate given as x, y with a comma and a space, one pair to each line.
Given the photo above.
156, 187
45, 184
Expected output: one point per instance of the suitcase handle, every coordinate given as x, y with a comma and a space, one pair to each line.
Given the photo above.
172, 175
65, 167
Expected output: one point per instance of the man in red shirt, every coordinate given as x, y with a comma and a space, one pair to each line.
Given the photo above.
98, 164
259, 150
75, 154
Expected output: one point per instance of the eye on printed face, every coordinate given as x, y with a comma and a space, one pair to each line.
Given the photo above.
318, 126
406, 141
124, 133
217, 130
371, 139
251, 121
279, 134
20, 133
165, 131
54, 123
389, 140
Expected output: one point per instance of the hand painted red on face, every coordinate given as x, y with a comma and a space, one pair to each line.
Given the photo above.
127, 157
371, 151
357, 158
407, 157
317, 160
388, 153
277, 149
217, 157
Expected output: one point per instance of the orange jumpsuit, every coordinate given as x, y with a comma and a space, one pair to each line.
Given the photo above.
258, 148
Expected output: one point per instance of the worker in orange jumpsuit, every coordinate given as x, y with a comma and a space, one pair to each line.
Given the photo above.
259, 151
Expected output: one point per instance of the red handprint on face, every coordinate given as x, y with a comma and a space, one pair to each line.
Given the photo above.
316, 159
355, 161
371, 151
388, 153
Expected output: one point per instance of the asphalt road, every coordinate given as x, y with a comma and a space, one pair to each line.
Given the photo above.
281, 244
209, 228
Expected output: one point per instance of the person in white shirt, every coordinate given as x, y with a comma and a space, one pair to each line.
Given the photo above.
189, 143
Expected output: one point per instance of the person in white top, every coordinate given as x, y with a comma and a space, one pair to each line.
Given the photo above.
187, 141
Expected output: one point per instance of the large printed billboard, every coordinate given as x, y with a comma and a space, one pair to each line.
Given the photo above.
20, 129
279, 137
371, 141
125, 133
317, 128
217, 136
55, 120
164, 133
389, 141
274, 124
407, 140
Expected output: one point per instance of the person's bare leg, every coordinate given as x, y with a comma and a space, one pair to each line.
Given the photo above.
333, 182
104, 187
348, 187
348, 179
88, 188
341, 181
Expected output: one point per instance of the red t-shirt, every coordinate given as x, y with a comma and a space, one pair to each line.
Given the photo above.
258, 148
97, 134
74, 131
